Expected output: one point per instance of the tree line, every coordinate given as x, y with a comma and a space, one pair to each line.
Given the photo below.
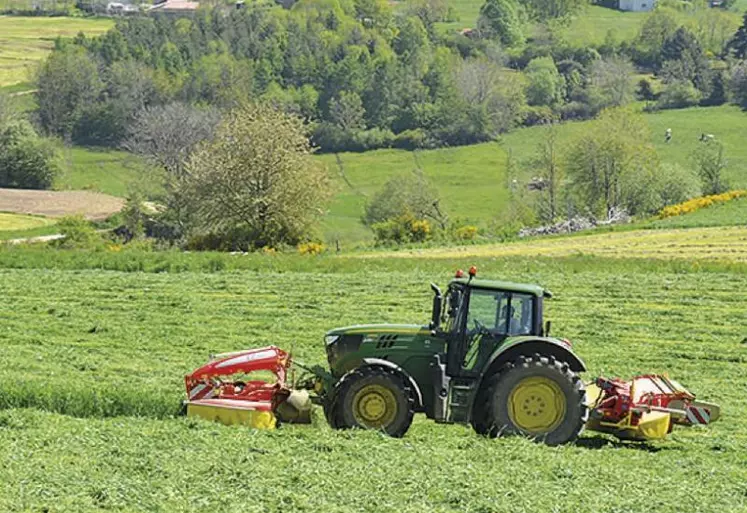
365, 77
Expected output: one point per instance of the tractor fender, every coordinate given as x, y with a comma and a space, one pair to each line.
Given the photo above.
386, 363
528, 346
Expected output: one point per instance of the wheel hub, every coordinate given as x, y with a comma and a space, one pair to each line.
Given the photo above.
374, 406
536, 405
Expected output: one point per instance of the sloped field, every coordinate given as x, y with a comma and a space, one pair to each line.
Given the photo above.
91, 378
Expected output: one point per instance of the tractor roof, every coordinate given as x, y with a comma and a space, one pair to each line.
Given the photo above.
526, 288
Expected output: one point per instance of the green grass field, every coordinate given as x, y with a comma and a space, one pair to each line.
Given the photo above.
93, 360
109, 171
24, 41
472, 179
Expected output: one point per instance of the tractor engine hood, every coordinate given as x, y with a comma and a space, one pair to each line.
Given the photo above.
378, 329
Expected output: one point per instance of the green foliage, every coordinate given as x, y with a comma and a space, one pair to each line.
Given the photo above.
134, 216
407, 197
402, 229
738, 84
26, 160
77, 233
737, 45
546, 86
678, 94
545, 10
347, 112
68, 83
709, 161
500, 19
612, 165
683, 59
256, 177
610, 82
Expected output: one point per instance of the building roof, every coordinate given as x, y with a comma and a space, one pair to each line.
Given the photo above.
175, 5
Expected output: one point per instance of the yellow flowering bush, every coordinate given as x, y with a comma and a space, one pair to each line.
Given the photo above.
467, 232
310, 248
697, 203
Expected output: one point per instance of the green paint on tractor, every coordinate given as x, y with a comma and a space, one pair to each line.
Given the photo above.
485, 358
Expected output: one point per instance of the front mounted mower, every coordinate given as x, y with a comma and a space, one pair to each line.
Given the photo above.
486, 359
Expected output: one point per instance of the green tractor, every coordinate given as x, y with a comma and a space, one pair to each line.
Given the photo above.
486, 359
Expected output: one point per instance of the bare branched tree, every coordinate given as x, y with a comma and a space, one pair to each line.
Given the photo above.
167, 135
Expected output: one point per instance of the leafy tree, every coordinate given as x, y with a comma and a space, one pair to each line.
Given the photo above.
546, 86
709, 161
679, 94
551, 9
610, 161
409, 196
737, 45
549, 164
429, 11
645, 90
499, 19
490, 99
610, 82
683, 59
257, 178
26, 161
738, 84
220, 79
67, 82
659, 26
347, 111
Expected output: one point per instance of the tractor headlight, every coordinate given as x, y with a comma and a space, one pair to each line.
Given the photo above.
331, 339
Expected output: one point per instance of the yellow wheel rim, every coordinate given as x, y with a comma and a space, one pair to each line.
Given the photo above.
536, 405
374, 406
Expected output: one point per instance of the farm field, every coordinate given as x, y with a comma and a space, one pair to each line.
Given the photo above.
92, 376
24, 41
714, 243
472, 179
94, 206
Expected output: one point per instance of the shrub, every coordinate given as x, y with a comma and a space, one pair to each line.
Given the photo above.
412, 139
402, 229
310, 248
467, 232
78, 233
698, 203
26, 160
678, 95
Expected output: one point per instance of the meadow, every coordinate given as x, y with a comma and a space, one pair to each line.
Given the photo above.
91, 381
472, 180
25, 41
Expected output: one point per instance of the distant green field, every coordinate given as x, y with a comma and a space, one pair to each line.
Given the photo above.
471, 181
731, 213
24, 41
109, 171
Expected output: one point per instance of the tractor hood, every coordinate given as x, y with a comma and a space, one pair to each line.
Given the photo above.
379, 329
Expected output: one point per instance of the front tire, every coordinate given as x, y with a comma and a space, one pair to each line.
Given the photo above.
537, 397
373, 397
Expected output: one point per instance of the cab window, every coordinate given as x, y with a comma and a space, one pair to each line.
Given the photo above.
501, 313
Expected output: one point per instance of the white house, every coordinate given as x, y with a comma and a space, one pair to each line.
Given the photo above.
637, 5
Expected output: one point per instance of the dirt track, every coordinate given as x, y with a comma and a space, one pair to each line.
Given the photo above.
92, 205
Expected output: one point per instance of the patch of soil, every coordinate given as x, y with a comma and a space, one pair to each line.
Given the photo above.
91, 205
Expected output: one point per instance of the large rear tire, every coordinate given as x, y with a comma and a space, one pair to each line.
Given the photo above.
537, 397
373, 397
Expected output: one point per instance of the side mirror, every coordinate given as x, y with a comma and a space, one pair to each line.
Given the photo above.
437, 304
548, 325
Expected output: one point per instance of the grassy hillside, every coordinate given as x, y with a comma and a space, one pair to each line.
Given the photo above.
92, 376
24, 41
471, 181
109, 171
731, 213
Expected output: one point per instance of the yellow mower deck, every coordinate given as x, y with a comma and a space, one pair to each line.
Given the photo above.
230, 412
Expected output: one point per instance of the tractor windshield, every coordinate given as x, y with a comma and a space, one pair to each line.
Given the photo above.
500, 312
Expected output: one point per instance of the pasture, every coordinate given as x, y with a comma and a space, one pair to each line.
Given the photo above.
25, 41
91, 380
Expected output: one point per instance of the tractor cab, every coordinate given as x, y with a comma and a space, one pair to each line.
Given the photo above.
479, 315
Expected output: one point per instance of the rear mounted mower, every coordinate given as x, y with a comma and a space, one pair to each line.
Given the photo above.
486, 359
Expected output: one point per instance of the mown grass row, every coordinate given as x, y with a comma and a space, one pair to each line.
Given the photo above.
97, 344
106, 344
